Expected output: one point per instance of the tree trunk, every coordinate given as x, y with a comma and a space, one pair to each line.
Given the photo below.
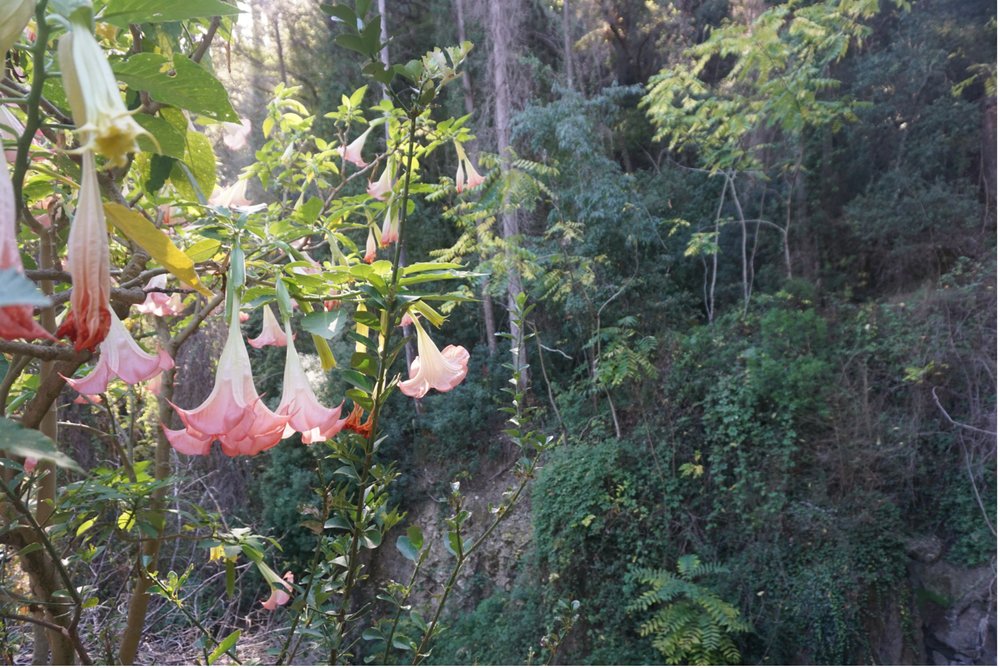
502, 27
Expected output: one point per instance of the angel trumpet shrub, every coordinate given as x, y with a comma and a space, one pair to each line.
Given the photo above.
441, 370
299, 403
102, 121
466, 176
352, 152
233, 413
17, 321
89, 265
270, 332
121, 357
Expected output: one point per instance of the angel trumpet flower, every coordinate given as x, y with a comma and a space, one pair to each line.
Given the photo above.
390, 227
89, 265
371, 247
466, 176
299, 403
121, 357
352, 152
233, 413
158, 303
16, 320
14, 15
102, 121
270, 332
442, 370
380, 189
279, 596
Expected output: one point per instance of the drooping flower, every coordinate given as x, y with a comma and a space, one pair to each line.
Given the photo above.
14, 15
102, 121
299, 403
233, 414
157, 303
352, 152
380, 189
89, 265
279, 596
121, 357
466, 176
235, 135
442, 370
390, 226
17, 321
234, 196
371, 247
270, 332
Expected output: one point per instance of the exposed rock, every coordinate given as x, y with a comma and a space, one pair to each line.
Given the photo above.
925, 549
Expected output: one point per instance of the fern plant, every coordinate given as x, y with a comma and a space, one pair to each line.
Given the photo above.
690, 623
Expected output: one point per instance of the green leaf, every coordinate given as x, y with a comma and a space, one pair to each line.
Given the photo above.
342, 13
354, 43
227, 643
20, 442
407, 548
326, 324
156, 243
169, 140
180, 82
123, 12
358, 380
85, 526
200, 161
203, 250
16, 289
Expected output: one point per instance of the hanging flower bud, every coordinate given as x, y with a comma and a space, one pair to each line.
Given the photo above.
270, 332
102, 122
390, 227
466, 176
371, 247
380, 189
89, 264
299, 403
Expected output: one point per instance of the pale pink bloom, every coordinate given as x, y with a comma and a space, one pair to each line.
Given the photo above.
442, 370
406, 320
270, 332
235, 135
380, 189
233, 414
298, 401
234, 196
121, 357
278, 596
371, 247
390, 227
29, 464
94, 399
17, 321
466, 176
159, 304
244, 316
155, 384
89, 265
352, 152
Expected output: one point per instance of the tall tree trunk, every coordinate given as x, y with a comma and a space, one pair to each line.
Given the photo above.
567, 44
488, 318
502, 27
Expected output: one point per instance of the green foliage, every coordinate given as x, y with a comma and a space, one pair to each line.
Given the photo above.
690, 624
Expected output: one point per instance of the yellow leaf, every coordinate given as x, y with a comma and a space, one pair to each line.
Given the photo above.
155, 242
126, 520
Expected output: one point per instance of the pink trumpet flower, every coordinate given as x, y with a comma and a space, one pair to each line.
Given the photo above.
17, 321
279, 596
121, 357
390, 227
159, 304
380, 189
89, 265
299, 403
352, 152
270, 332
235, 135
466, 176
233, 414
371, 247
442, 370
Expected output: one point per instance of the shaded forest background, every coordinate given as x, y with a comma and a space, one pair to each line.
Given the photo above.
766, 335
